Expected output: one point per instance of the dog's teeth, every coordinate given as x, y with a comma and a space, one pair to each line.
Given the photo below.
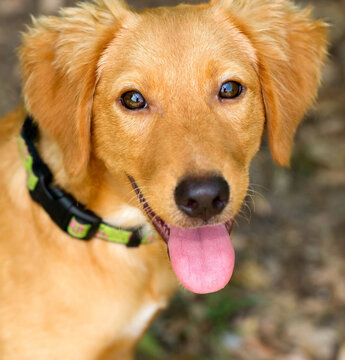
159, 223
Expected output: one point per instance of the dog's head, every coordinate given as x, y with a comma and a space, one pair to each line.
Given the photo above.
174, 102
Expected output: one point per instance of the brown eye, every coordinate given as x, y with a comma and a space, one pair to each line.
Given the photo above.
133, 100
230, 90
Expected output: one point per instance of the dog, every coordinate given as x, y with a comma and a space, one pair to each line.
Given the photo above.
124, 168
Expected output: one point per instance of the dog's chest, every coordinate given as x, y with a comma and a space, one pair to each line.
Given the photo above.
140, 320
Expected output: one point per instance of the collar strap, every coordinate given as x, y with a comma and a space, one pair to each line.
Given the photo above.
67, 213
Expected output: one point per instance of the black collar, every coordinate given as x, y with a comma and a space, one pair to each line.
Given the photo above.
67, 213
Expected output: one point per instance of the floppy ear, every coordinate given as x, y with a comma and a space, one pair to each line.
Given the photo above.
290, 49
59, 59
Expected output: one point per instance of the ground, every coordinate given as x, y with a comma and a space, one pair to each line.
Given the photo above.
287, 298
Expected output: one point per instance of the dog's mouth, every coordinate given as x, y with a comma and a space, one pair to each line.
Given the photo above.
202, 258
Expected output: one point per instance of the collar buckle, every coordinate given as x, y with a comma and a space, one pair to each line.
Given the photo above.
69, 215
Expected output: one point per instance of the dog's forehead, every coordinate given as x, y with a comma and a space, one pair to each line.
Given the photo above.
179, 40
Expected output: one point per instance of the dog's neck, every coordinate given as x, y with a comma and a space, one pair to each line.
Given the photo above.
95, 187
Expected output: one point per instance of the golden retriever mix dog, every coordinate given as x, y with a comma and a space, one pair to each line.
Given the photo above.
123, 171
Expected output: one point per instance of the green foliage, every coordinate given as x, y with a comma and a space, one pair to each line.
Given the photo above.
220, 308
149, 348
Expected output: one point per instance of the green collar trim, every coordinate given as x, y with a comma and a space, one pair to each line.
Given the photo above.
105, 232
63, 209
28, 162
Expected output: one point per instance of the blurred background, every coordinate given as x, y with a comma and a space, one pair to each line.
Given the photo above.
286, 300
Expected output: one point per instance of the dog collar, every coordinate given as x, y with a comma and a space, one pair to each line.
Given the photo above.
67, 213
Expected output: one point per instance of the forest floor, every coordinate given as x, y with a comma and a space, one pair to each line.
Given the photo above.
287, 297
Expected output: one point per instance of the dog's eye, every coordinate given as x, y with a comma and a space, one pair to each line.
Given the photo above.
230, 90
133, 100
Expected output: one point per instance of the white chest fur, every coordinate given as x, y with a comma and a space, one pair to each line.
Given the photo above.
129, 217
140, 320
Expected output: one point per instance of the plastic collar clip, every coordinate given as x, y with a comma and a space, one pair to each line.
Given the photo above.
63, 209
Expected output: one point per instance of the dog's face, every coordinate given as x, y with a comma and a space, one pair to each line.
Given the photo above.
173, 102
182, 128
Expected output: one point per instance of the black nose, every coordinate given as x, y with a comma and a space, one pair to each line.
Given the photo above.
202, 197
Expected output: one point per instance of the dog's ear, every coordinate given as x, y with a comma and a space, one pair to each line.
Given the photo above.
290, 49
59, 59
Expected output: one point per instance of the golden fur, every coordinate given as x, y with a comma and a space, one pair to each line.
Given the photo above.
66, 299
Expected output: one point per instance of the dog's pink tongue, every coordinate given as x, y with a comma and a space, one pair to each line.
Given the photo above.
202, 258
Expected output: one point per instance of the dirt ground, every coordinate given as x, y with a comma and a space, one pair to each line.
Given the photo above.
287, 298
